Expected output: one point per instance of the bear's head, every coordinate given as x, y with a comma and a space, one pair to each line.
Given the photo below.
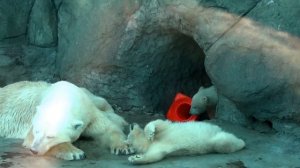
199, 103
137, 139
50, 129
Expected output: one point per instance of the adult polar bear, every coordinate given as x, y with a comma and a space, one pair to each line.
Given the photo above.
162, 137
52, 116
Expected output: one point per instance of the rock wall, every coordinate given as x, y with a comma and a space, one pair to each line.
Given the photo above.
139, 53
25, 52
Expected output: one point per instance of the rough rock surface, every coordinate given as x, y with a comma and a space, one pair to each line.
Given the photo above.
255, 65
24, 62
42, 26
14, 15
139, 53
18, 60
135, 68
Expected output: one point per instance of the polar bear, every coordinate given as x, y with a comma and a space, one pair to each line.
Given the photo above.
51, 116
204, 99
162, 137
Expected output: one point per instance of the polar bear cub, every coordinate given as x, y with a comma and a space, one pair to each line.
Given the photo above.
204, 99
162, 137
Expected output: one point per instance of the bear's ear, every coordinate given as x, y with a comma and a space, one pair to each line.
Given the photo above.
132, 126
135, 125
77, 124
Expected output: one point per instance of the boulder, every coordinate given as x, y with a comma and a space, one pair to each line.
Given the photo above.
255, 65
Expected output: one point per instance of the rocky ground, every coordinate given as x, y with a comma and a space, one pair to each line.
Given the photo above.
263, 150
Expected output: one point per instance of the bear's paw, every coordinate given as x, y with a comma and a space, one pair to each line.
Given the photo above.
150, 131
66, 151
135, 158
121, 148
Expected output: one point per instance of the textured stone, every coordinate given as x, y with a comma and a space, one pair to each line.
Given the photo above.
14, 16
21, 62
139, 53
135, 68
256, 67
227, 110
278, 14
42, 26
11, 68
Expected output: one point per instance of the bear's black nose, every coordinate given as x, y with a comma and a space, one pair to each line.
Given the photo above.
33, 151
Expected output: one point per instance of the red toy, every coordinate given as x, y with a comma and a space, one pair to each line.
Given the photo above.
180, 108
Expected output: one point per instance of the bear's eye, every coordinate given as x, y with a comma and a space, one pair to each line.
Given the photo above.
50, 137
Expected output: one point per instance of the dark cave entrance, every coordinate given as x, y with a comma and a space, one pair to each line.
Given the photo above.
174, 63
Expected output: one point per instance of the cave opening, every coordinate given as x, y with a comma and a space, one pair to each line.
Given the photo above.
175, 63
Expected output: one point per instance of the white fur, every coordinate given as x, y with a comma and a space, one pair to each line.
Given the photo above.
204, 98
63, 107
58, 113
18, 102
161, 138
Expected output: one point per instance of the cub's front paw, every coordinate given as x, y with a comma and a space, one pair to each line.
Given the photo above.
134, 158
121, 148
150, 131
66, 151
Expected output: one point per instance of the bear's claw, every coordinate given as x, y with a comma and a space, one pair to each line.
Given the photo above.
83, 156
66, 151
128, 151
134, 158
71, 156
122, 150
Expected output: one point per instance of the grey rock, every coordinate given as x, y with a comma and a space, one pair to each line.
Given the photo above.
40, 63
21, 62
278, 14
130, 68
5, 60
14, 15
42, 26
11, 66
256, 66
127, 62
227, 110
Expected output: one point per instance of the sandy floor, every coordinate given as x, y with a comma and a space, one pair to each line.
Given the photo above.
264, 150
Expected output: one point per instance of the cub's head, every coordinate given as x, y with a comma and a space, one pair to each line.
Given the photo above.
137, 139
50, 130
135, 133
199, 103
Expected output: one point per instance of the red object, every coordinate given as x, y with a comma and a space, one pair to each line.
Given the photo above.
180, 108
